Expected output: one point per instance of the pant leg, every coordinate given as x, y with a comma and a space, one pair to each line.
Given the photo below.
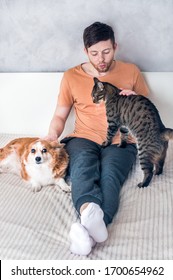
115, 166
84, 170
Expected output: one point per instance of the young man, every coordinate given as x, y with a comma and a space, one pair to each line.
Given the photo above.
97, 174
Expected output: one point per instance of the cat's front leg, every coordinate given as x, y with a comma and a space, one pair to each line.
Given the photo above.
106, 143
112, 130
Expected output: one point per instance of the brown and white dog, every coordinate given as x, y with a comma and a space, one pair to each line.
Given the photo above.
37, 161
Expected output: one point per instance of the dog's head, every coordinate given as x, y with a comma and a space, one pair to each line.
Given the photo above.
43, 152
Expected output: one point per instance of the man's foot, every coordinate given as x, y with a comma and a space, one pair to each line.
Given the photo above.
81, 242
92, 220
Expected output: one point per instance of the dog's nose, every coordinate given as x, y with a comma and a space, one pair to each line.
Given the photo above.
38, 159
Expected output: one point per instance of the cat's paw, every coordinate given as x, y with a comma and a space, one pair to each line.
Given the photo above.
123, 144
158, 171
106, 143
142, 185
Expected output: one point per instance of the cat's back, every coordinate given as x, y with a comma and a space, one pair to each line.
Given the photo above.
141, 104
138, 108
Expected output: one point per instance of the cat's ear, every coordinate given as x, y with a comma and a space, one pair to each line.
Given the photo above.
96, 80
98, 83
100, 86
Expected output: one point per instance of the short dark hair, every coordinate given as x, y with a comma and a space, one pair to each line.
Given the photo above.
97, 32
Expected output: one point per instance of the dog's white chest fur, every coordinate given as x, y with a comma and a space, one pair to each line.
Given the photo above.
40, 174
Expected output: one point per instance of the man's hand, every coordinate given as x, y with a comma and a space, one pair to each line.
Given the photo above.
50, 138
127, 92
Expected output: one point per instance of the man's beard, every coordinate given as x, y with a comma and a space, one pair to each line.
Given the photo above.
102, 67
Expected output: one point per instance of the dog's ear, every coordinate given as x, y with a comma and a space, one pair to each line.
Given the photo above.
56, 145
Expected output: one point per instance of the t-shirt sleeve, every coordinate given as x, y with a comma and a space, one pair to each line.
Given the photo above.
140, 85
65, 97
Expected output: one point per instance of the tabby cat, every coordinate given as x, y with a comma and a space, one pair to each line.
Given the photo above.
141, 117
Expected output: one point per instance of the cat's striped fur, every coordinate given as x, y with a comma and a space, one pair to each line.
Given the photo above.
142, 118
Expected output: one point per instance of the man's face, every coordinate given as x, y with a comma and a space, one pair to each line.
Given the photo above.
101, 55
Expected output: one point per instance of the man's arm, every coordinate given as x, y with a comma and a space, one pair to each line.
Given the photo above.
58, 122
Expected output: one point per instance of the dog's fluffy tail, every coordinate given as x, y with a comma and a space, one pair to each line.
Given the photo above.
167, 134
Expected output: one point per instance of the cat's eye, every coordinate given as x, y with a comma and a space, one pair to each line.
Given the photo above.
32, 151
44, 150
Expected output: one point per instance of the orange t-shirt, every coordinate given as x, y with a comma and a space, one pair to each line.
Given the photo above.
75, 90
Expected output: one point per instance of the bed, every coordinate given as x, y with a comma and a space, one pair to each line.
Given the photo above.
35, 226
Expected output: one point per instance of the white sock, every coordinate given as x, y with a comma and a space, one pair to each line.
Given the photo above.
92, 220
81, 242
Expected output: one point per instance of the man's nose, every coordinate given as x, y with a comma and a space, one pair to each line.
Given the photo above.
101, 57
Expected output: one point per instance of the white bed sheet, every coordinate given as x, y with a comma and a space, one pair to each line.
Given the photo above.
36, 225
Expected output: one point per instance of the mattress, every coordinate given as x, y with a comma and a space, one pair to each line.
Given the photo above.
36, 225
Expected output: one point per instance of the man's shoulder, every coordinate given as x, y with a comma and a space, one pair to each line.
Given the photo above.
127, 65
73, 70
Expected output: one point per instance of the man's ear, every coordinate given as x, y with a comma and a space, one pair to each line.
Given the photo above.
115, 46
86, 51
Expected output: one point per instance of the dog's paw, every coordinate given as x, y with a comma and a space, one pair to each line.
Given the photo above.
63, 185
36, 187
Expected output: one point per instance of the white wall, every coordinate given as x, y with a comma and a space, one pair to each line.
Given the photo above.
161, 93
27, 102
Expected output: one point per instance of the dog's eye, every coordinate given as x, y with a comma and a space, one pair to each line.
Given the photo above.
44, 151
33, 151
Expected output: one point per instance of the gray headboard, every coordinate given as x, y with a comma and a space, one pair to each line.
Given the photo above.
46, 36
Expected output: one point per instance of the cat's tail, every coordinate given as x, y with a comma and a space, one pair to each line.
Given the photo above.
167, 134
